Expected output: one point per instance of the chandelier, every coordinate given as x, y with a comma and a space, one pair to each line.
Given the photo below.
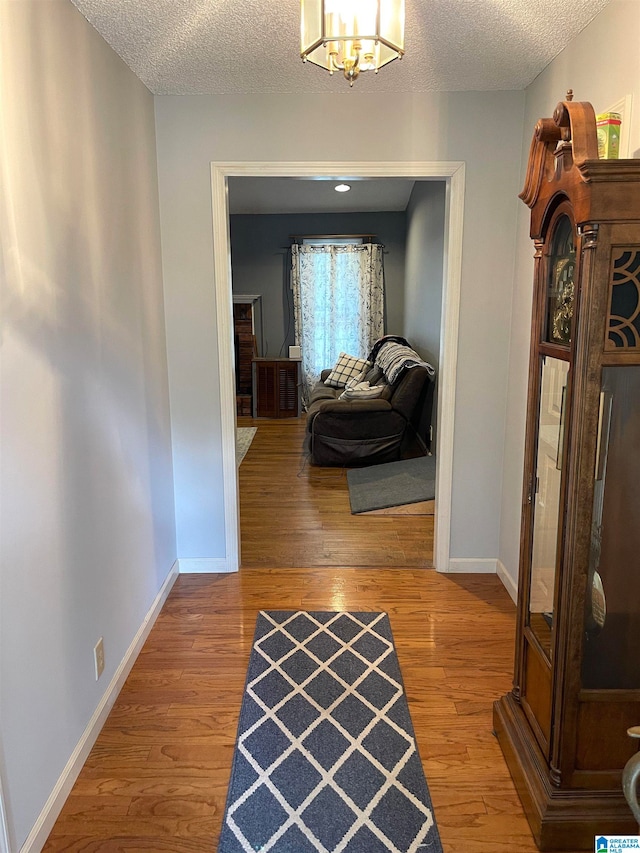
351, 35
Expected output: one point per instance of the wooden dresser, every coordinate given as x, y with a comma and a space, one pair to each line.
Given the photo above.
276, 387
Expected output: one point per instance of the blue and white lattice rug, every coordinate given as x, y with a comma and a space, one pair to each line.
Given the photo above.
326, 760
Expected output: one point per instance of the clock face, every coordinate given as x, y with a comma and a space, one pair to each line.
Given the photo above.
561, 290
562, 310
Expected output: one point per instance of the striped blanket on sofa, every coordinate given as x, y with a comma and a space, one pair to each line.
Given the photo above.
392, 358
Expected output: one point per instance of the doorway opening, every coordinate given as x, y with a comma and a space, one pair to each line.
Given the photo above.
453, 176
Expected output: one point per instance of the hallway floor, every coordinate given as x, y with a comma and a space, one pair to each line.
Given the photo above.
156, 779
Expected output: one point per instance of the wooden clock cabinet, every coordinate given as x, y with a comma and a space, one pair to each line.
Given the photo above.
576, 690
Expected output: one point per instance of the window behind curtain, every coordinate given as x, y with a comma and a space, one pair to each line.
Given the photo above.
338, 294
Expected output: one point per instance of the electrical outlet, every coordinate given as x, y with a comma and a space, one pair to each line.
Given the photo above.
98, 657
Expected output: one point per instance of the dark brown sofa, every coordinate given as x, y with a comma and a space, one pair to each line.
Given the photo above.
368, 432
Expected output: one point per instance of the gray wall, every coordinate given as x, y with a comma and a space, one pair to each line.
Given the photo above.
603, 83
423, 268
87, 521
423, 274
483, 129
259, 263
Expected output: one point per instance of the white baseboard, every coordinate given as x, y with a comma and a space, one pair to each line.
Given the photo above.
472, 566
5, 842
509, 584
203, 566
52, 808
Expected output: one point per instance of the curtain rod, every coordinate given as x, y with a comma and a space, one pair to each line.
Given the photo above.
320, 236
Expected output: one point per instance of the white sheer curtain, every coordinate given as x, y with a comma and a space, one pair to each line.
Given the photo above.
338, 304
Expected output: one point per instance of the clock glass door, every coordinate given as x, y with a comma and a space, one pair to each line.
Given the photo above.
612, 622
554, 352
546, 499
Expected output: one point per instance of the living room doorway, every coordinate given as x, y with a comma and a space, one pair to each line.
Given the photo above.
453, 175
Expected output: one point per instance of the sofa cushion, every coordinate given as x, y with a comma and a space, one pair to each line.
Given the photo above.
320, 391
347, 367
387, 390
374, 374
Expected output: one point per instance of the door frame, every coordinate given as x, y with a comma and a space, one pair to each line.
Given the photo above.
453, 173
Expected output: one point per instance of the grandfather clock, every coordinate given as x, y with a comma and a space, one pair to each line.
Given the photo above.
576, 690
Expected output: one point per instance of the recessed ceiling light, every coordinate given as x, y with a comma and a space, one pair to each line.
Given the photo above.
342, 188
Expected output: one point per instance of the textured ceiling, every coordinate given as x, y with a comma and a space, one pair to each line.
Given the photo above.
197, 47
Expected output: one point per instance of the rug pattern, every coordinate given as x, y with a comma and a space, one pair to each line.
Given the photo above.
244, 437
326, 759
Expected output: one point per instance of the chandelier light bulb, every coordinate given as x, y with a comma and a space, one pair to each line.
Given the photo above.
352, 36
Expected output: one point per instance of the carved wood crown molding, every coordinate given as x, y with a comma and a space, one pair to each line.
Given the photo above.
596, 171
559, 144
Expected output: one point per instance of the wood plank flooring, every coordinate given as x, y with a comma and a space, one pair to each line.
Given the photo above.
303, 512
157, 776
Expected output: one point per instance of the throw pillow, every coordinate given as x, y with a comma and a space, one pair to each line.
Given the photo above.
347, 367
361, 391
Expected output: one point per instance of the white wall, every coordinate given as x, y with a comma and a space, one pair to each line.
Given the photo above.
601, 65
87, 524
483, 129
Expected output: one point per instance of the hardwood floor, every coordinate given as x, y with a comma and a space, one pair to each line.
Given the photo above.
157, 776
294, 514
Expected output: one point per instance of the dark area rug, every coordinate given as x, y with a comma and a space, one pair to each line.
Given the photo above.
392, 484
325, 759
